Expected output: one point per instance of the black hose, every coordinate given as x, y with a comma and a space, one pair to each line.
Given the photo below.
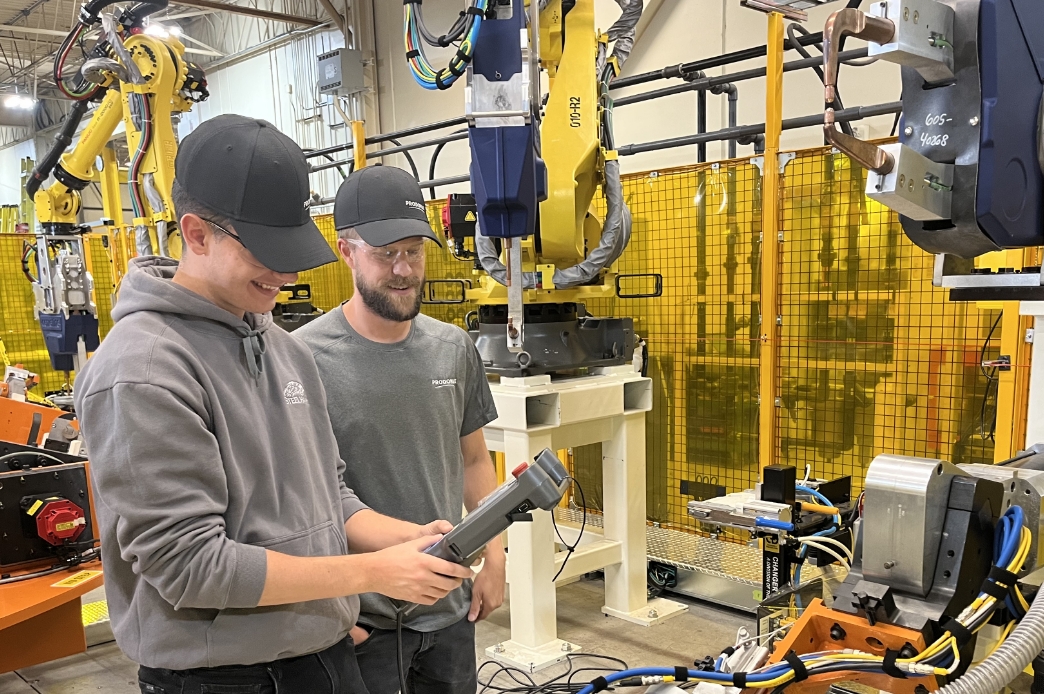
409, 158
431, 169
135, 16
339, 169
792, 30
434, 159
681, 70
62, 140
89, 12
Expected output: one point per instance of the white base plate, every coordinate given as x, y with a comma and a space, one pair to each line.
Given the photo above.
531, 659
655, 611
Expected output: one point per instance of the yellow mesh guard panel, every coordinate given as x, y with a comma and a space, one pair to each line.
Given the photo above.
873, 358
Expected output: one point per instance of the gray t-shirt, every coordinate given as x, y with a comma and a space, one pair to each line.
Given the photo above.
398, 412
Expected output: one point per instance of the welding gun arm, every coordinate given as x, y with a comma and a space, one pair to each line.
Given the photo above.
851, 22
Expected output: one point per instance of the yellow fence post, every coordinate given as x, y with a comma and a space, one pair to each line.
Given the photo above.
770, 246
1013, 385
359, 143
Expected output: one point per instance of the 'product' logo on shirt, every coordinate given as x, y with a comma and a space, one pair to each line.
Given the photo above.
443, 382
294, 394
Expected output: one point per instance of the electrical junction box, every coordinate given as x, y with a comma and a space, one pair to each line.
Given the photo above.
341, 72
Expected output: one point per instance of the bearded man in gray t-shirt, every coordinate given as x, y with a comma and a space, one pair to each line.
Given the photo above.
408, 397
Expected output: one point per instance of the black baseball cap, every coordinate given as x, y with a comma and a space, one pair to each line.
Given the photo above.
248, 171
384, 205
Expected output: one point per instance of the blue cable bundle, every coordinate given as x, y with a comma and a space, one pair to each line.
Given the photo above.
468, 33
941, 658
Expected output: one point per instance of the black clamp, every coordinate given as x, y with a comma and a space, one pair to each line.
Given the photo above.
958, 631
681, 673
599, 684
739, 680
800, 671
410, 55
1001, 584
889, 666
705, 665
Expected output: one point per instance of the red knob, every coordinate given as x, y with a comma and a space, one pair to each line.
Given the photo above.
519, 470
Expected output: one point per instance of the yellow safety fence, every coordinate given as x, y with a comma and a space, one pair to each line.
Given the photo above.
872, 357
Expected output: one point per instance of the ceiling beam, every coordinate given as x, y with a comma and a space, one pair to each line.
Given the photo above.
251, 12
213, 51
53, 32
183, 15
18, 29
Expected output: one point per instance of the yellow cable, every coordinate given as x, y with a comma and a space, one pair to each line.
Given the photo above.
956, 658
946, 641
819, 508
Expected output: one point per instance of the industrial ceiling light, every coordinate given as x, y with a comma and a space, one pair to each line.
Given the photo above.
19, 101
157, 30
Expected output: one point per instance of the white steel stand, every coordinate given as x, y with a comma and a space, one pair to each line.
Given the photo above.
535, 413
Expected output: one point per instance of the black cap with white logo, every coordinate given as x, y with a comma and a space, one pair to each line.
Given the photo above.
248, 171
384, 205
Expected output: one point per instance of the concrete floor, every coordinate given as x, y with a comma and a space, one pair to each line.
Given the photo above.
702, 631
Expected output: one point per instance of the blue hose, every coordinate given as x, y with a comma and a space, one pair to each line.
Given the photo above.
761, 522
753, 679
1009, 530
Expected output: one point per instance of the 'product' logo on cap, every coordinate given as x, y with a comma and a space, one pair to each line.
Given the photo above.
415, 205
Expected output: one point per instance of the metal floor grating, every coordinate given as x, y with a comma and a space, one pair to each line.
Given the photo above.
728, 560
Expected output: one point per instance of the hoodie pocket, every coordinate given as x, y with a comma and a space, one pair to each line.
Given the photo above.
264, 634
310, 542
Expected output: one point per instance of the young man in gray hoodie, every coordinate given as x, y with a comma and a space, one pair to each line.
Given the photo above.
232, 548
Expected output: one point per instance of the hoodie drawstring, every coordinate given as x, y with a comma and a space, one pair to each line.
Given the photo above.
253, 349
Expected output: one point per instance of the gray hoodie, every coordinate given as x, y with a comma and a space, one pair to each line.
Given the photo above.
209, 442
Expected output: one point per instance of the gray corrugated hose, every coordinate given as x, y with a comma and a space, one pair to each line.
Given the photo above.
621, 33
1004, 664
616, 233
156, 202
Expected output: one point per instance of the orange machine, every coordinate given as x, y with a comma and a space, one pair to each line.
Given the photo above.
40, 598
821, 629
17, 421
21, 420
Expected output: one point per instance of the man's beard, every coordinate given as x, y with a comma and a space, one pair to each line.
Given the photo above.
388, 306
